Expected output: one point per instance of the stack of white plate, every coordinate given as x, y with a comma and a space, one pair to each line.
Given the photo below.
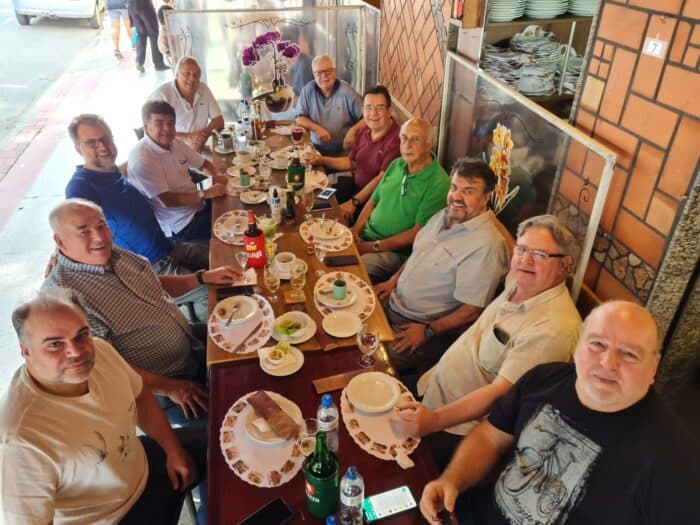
546, 8
538, 77
582, 7
505, 64
506, 10
572, 75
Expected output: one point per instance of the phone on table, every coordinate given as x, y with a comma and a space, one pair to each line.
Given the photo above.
321, 206
341, 260
388, 503
327, 193
277, 512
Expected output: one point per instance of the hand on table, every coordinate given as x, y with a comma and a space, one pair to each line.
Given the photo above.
181, 469
191, 397
216, 190
347, 209
222, 275
365, 247
409, 337
323, 134
437, 495
415, 419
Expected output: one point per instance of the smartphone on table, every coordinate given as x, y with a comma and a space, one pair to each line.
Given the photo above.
277, 512
388, 503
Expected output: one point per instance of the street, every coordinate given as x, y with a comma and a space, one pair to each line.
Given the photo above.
33, 58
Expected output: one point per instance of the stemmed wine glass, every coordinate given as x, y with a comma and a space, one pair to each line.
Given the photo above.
320, 252
242, 259
298, 280
272, 281
367, 342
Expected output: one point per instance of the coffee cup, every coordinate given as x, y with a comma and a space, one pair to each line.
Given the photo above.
339, 289
243, 158
284, 262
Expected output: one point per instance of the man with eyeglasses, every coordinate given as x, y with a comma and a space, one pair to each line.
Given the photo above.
127, 210
376, 145
437, 293
412, 190
534, 321
329, 108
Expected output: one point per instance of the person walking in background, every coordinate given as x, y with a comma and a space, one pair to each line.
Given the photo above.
117, 10
144, 18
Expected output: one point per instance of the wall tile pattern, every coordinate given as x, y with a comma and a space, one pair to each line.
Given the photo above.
646, 109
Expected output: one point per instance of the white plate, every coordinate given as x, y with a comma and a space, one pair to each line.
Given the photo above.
235, 182
342, 324
278, 164
270, 438
328, 300
234, 171
280, 155
373, 392
307, 331
291, 363
253, 197
247, 306
320, 230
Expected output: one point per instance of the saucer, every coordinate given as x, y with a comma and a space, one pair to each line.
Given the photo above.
290, 364
342, 324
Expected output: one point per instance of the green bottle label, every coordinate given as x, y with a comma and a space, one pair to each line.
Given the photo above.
296, 176
322, 494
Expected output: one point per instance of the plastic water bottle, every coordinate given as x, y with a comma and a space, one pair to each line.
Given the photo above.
352, 492
327, 416
276, 205
243, 109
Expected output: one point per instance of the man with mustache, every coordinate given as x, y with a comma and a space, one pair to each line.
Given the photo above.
533, 321
69, 452
458, 260
589, 442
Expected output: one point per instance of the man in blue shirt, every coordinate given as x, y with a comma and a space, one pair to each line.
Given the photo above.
329, 108
128, 213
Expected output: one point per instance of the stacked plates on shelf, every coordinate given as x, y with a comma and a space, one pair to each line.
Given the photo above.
546, 8
572, 74
544, 49
506, 10
505, 64
582, 7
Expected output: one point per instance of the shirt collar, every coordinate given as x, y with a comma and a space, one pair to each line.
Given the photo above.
70, 264
471, 224
154, 146
335, 88
537, 300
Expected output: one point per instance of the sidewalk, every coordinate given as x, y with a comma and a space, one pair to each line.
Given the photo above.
38, 161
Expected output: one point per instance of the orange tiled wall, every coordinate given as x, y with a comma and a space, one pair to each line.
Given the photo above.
647, 110
411, 63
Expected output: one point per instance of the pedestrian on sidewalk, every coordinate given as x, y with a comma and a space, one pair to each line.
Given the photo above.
117, 11
144, 18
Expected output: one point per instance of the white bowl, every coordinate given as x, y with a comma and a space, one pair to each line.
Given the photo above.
342, 324
373, 392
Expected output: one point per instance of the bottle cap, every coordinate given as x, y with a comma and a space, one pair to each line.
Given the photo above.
330, 520
352, 472
326, 401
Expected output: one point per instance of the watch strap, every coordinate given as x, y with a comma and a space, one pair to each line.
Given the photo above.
198, 274
429, 332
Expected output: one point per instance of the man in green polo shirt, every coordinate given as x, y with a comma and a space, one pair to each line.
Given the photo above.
413, 189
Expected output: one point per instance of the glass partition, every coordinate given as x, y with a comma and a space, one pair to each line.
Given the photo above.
218, 38
543, 164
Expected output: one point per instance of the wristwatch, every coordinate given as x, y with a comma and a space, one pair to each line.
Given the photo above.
200, 194
375, 246
355, 202
198, 274
429, 334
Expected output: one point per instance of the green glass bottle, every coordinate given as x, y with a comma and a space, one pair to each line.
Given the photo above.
321, 470
296, 172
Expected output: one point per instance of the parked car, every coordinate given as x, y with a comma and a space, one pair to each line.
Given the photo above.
90, 10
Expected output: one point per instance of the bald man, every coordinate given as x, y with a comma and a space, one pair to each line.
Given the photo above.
589, 442
413, 189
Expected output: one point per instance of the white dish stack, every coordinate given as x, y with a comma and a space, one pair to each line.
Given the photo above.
506, 10
546, 8
582, 7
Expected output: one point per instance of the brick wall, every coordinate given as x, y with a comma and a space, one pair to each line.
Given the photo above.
646, 109
412, 53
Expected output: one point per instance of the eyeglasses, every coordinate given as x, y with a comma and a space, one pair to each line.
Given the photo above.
379, 107
522, 251
105, 140
324, 72
404, 182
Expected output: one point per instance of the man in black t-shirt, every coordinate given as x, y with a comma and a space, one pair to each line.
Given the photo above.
586, 443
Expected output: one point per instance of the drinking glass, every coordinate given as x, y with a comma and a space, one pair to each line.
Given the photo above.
272, 281
367, 342
307, 199
320, 252
297, 135
298, 279
308, 441
242, 259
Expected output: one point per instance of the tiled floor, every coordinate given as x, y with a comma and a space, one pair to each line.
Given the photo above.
94, 83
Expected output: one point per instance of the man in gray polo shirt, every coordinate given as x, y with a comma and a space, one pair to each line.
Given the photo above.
459, 258
130, 307
329, 108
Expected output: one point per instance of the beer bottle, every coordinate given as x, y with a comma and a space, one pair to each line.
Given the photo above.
295, 172
254, 243
321, 471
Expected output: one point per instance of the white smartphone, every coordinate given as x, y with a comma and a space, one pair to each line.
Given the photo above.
388, 503
327, 193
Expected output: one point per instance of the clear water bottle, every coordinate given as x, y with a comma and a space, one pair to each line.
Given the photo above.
352, 492
243, 109
327, 416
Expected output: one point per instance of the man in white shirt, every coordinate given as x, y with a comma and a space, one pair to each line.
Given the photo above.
198, 112
159, 168
68, 446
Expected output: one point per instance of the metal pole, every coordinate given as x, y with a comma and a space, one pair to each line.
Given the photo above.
442, 129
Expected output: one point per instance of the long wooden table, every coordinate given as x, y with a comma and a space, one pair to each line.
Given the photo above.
232, 499
221, 254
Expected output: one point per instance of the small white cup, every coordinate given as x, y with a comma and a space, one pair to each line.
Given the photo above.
284, 262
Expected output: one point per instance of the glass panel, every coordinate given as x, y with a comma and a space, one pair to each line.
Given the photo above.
217, 39
542, 168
